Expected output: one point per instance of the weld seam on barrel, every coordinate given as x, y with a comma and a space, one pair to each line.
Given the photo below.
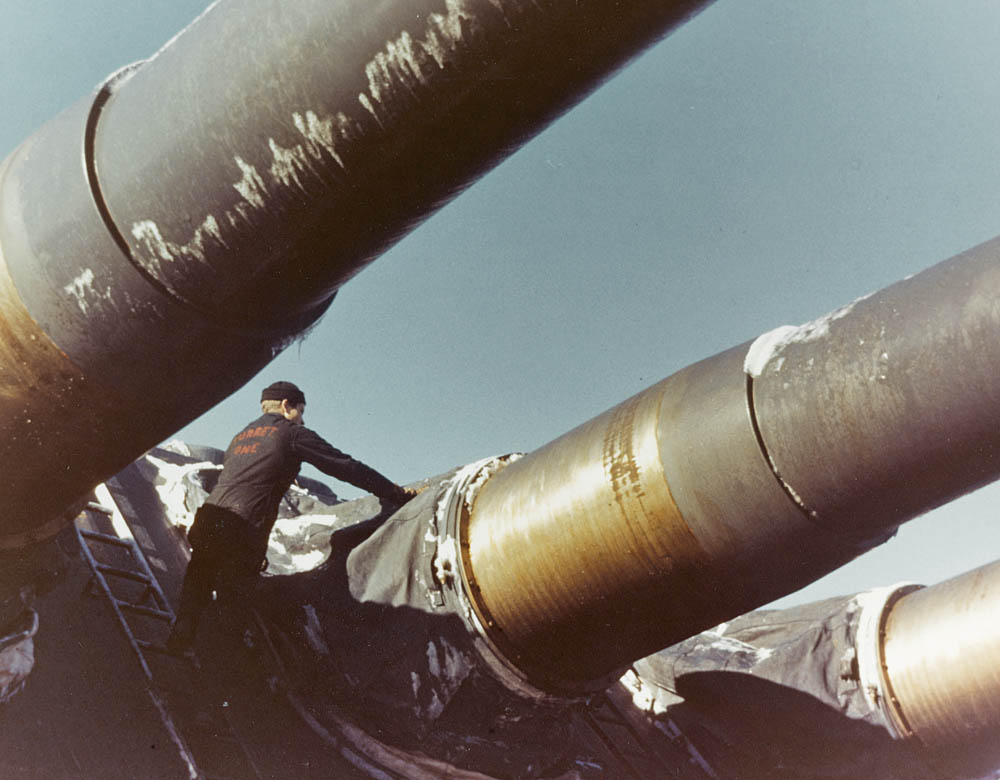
811, 515
102, 98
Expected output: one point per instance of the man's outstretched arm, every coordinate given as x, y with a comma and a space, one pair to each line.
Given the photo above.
314, 449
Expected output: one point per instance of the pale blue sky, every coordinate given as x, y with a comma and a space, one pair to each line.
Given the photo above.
769, 162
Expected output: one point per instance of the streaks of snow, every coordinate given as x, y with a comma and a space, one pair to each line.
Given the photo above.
768, 347
159, 250
251, 186
445, 31
452, 666
744, 650
433, 666
319, 136
404, 62
398, 63
367, 105
644, 696
732, 646
447, 667
319, 133
174, 484
82, 288
287, 164
149, 234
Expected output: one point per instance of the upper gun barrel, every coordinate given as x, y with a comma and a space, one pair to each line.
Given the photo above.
161, 240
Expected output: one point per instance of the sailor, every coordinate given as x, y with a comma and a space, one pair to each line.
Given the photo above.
231, 529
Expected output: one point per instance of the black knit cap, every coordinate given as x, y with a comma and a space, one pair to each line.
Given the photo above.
279, 391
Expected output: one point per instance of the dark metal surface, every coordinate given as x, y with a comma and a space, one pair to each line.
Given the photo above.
875, 413
98, 364
291, 142
167, 236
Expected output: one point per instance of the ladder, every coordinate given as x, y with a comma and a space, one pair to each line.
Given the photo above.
201, 730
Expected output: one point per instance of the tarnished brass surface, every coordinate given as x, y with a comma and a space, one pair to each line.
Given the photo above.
562, 539
941, 652
44, 400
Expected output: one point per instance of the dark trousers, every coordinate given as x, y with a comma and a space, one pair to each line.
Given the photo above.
226, 557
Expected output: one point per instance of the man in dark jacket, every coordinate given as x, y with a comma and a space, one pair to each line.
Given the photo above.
230, 530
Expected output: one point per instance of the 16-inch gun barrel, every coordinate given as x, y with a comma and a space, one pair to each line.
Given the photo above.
162, 240
741, 478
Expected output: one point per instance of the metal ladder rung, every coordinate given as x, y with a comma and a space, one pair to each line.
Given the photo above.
151, 594
139, 609
94, 506
125, 574
115, 540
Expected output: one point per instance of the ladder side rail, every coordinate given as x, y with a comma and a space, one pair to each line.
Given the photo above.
120, 521
98, 577
174, 733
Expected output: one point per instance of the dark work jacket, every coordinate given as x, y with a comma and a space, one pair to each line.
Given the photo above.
263, 460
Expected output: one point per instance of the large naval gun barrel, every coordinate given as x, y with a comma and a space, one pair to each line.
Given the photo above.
927, 658
164, 238
739, 479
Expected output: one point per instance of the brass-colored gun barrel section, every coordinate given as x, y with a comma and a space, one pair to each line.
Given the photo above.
649, 523
741, 478
940, 650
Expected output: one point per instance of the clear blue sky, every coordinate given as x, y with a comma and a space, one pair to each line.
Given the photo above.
767, 163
